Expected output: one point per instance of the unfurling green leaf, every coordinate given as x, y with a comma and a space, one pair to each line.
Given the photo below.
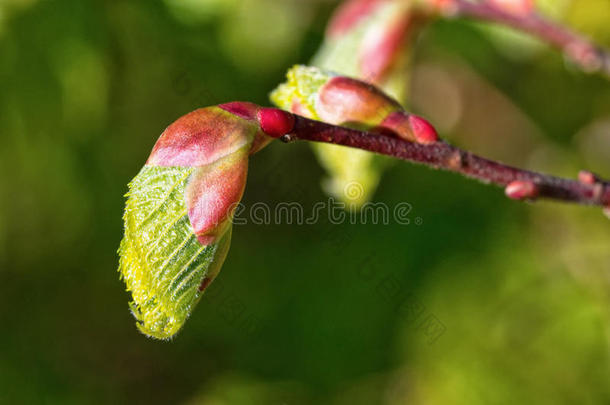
179, 210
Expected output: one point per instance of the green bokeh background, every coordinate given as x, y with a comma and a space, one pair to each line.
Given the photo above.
300, 314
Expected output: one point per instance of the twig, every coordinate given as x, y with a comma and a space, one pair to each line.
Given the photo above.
520, 184
590, 57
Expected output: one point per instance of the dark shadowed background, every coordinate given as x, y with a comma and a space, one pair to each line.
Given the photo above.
477, 300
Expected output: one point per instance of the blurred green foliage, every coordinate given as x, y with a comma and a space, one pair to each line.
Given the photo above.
300, 314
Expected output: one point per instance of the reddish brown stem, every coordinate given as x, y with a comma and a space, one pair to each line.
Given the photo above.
579, 49
441, 155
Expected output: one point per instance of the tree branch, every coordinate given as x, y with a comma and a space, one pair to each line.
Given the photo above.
590, 57
520, 184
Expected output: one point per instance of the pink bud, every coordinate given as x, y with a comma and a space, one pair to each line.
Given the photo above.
409, 127
521, 190
586, 177
275, 122
343, 100
423, 131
